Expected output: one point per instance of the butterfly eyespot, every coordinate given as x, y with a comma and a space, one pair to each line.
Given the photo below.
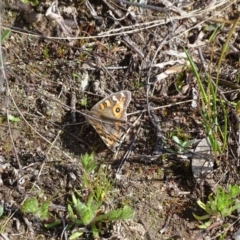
117, 111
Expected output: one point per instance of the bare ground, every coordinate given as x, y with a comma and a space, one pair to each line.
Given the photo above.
116, 48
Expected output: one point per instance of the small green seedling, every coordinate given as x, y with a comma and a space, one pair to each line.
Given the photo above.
219, 205
13, 119
46, 51
88, 163
32, 206
89, 214
86, 208
32, 2
83, 102
182, 145
1, 210
213, 108
4, 35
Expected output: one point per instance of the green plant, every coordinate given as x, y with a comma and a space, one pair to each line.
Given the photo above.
86, 207
214, 29
83, 102
1, 210
179, 81
31, 205
238, 76
138, 84
32, 2
46, 51
219, 205
13, 119
238, 108
210, 107
181, 144
4, 35
88, 164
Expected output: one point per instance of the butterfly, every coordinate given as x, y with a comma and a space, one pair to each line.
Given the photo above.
108, 116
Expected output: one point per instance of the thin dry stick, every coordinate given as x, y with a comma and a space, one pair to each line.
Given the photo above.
85, 114
128, 152
151, 7
158, 148
73, 106
92, 11
149, 109
2, 79
64, 231
227, 229
29, 226
11, 136
99, 62
8, 121
142, 26
54, 141
46, 97
125, 157
44, 162
160, 107
166, 225
24, 119
53, 13
213, 225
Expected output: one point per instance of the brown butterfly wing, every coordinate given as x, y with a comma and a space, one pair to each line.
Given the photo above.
108, 116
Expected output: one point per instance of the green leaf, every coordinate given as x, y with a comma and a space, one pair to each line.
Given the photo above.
205, 225
43, 210
13, 119
75, 235
4, 35
70, 212
88, 162
1, 210
32, 2
83, 102
201, 204
201, 218
235, 207
95, 231
238, 107
85, 212
30, 206
46, 51
118, 214
53, 224
74, 199
177, 140
72, 216
210, 27
233, 190
188, 143
87, 215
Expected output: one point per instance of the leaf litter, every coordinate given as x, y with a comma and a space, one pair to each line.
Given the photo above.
122, 46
